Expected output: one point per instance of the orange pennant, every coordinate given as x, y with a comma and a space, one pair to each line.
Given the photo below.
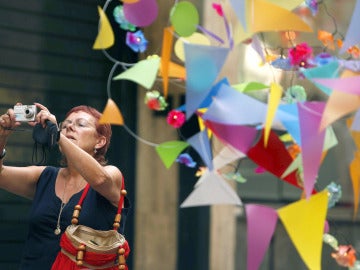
165, 57
111, 114
355, 179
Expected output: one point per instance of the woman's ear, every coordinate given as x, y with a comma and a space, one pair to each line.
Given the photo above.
101, 141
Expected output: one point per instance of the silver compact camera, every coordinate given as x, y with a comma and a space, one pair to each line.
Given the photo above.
25, 113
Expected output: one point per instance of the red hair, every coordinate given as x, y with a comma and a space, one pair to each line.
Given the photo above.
101, 129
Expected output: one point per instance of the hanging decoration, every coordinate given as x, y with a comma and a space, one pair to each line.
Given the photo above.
277, 125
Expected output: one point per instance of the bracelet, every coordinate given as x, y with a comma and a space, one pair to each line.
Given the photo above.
3, 154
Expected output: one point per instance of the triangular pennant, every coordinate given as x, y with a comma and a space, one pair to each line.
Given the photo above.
111, 114
240, 137
274, 158
175, 71
352, 35
312, 141
227, 155
355, 180
340, 103
239, 7
165, 58
292, 125
169, 151
261, 224
105, 37
283, 20
304, 221
276, 92
203, 64
143, 72
200, 142
230, 106
348, 85
286, 4
330, 70
211, 190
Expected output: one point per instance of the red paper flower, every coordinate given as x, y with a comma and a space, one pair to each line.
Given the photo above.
345, 256
300, 54
176, 118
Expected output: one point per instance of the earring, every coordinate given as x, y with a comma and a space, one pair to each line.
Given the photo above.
95, 150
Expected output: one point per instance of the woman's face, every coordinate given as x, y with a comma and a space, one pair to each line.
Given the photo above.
80, 128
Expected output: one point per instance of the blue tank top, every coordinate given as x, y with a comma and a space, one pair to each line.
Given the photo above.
42, 245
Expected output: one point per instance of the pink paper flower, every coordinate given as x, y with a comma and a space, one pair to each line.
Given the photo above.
176, 118
300, 54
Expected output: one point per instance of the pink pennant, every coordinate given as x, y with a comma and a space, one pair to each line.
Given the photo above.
261, 224
348, 85
238, 136
312, 141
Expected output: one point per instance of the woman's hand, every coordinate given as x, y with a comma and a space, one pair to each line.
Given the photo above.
7, 124
43, 115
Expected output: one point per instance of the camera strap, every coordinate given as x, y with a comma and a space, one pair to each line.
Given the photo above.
46, 137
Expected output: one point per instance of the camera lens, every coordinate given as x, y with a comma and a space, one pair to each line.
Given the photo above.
29, 113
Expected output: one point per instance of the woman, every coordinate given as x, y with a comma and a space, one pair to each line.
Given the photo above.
55, 191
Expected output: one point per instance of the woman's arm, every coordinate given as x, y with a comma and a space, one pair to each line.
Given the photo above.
18, 180
104, 179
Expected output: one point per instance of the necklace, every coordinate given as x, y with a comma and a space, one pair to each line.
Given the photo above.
57, 231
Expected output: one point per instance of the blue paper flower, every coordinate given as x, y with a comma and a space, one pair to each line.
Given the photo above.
136, 41
334, 194
186, 159
324, 58
119, 17
282, 63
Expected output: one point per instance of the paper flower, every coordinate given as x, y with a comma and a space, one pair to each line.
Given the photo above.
200, 171
330, 240
155, 101
282, 63
334, 194
327, 39
176, 118
119, 17
354, 51
323, 58
136, 41
295, 93
294, 150
218, 9
235, 176
345, 255
187, 160
259, 170
300, 55
313, 6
